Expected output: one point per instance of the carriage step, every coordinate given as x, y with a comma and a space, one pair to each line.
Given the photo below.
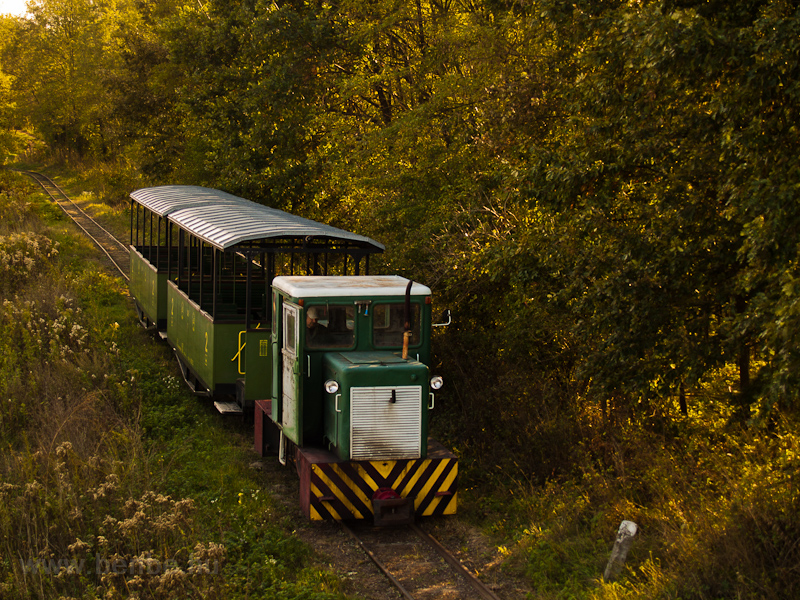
228, 408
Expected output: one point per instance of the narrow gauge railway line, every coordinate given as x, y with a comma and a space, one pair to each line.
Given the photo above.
117, 252
417, 564
412, 560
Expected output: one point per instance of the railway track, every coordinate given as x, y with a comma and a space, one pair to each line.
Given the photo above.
414, 562
417, 564
115, 251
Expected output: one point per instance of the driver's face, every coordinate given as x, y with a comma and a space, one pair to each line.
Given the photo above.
311, 322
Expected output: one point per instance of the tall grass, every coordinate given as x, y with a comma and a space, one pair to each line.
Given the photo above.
108, 467
75, 496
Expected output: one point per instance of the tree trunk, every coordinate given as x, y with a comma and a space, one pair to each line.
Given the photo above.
744, 354
682, 400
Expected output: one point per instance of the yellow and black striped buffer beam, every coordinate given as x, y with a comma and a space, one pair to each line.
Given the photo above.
344, 490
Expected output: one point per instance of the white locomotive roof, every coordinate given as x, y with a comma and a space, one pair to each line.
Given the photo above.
347, 286
224, 220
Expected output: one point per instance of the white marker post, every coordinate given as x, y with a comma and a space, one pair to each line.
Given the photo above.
625, 534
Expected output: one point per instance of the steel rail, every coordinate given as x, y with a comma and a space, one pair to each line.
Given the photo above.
381, 567
480, 588
49, 186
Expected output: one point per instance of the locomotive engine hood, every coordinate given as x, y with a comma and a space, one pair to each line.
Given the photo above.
380, 409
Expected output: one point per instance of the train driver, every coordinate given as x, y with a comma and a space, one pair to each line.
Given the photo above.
315, 330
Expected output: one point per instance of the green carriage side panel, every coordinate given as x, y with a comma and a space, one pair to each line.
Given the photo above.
210, 349
258, 365
148, 287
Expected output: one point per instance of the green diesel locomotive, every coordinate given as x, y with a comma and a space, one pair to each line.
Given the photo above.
277, 315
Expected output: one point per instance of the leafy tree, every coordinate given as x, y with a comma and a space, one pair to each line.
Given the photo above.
672, 122
246, 97
760, 100
67, 50
141, 88
9, 28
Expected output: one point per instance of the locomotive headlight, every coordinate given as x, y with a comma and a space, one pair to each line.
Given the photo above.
331, 386
437, 382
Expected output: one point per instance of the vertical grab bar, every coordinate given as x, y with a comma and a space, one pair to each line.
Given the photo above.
238, 356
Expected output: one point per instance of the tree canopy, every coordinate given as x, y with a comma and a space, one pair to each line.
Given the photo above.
604, 191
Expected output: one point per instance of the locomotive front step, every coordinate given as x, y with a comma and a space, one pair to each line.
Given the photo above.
228, 408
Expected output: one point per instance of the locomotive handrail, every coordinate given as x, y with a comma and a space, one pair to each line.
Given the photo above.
445, 315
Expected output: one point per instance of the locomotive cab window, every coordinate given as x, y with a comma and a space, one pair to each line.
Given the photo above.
388, 324
289, 328
330, 326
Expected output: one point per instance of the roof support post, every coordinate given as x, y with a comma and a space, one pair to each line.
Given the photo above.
215, 267
181, 236
248, 301
150, 250
168, 233
270, 271
189, 273
201, 247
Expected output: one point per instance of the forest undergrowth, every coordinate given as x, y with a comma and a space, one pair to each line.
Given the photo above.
715, 498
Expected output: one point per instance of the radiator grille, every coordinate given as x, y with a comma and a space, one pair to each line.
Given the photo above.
380, 428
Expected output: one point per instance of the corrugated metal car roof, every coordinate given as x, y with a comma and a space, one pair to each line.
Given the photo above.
224, 220
167, 199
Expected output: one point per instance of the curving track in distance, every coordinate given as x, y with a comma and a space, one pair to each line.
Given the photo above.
117, 252
417, 564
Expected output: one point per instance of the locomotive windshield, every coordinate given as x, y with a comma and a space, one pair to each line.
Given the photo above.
388, 324
330, 326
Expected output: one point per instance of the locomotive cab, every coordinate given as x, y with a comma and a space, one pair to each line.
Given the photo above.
341, 382
352, 391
